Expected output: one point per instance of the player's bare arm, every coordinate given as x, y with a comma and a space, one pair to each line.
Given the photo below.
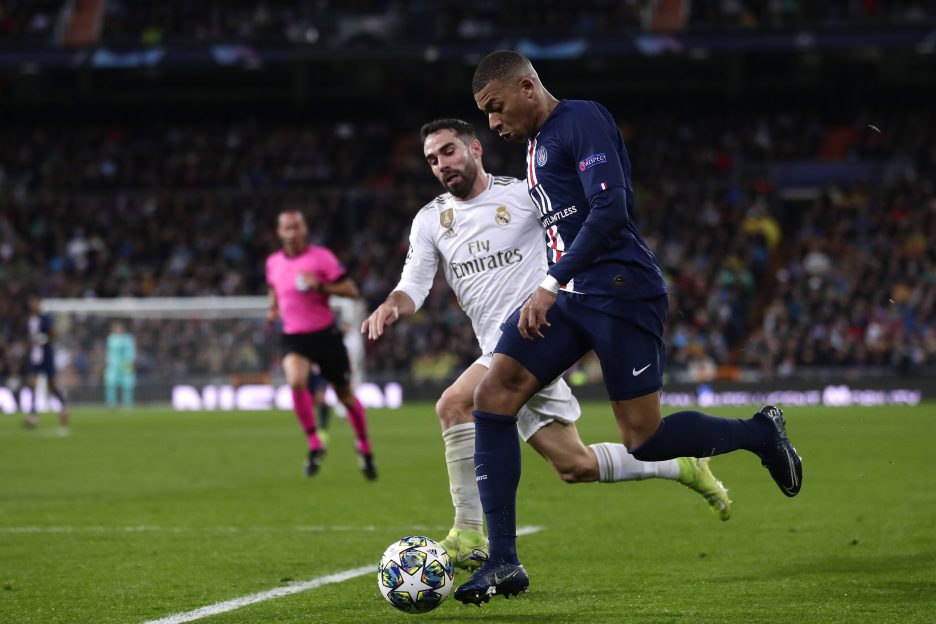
273, 307
342, 288
398, 305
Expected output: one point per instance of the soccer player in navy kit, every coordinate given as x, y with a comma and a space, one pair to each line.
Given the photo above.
604, 291
40, 359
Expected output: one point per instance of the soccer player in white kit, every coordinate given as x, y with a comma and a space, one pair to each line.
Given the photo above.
487, 235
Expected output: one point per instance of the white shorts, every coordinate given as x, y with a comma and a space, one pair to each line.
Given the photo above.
554, 402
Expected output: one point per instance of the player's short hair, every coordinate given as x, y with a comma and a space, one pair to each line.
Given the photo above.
497, 66
462, 129
286, 211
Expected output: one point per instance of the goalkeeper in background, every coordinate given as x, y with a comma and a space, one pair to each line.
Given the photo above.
118, 370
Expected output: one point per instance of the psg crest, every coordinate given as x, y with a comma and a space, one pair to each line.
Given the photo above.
447, 218
541, 156
502, 217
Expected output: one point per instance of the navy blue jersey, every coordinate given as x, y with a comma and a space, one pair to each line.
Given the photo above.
39, 327
579, 176
41, 358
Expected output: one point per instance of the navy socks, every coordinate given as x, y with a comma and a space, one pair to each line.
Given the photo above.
694, 434
497, 471
324, 413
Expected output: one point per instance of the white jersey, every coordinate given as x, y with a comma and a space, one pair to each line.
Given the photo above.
492, 253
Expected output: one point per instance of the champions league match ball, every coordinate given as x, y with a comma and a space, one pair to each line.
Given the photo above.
415, 574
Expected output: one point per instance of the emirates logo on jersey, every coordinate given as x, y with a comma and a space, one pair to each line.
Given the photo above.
502, 217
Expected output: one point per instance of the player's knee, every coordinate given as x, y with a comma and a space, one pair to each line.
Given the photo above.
345, 394
634, 438
637, 428
576, 472
496, 395
452, 409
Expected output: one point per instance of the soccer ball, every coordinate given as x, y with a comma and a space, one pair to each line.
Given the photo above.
415, 574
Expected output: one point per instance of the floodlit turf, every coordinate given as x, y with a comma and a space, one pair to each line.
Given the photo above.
138, 516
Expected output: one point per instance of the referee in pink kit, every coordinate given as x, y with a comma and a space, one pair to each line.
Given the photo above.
301, 278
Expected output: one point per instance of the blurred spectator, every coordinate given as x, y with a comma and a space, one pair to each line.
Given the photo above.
369, 22
30, 22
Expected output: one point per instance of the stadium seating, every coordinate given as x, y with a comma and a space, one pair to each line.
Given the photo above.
753, 284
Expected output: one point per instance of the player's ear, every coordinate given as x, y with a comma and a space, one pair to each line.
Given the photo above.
476, 149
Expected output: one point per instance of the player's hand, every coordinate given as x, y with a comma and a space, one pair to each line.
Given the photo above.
272, 315
384, 316
306, 281
533, 313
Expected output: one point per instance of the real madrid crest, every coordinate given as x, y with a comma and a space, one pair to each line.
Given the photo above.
447, 218
502, 217
541, 156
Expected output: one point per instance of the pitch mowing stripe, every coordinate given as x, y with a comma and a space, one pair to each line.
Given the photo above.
279, 592
146, 528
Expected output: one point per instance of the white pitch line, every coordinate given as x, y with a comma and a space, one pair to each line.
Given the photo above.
243, 601
278, 592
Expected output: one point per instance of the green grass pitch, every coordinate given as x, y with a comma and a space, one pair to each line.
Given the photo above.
138, 516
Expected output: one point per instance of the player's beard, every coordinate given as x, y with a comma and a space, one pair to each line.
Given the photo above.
466, 179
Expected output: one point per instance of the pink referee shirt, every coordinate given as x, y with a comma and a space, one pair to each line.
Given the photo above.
303, 310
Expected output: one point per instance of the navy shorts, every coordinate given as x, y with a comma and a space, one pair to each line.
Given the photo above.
43, 365
626, 335
317, 380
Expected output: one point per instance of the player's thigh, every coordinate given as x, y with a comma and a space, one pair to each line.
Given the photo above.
505, 387
552, 403
629, 347
296, 368
562, 345
455, 405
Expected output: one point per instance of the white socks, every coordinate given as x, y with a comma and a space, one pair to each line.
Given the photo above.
616, 464
459, 455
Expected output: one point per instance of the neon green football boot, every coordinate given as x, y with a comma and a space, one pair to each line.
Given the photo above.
694, 473
461, 544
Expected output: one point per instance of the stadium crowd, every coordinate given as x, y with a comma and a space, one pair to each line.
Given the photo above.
754, 282
365, 22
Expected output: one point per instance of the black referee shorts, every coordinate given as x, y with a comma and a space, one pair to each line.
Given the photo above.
326, 348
